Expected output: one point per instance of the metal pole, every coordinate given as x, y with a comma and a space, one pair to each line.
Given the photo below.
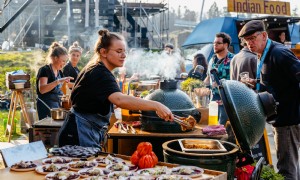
201, 13
40, 33
140, 25
68, 22
96, 13
87, 13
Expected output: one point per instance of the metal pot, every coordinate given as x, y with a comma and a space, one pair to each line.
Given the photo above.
58, 113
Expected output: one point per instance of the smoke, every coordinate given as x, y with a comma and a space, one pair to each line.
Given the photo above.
39, 61
147, 64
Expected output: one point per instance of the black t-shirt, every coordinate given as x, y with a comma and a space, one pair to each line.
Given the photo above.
46, 71
280, 77
92, 89
71, 71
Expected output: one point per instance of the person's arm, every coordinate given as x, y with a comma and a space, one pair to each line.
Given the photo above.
232, 71
44, 87
134, 103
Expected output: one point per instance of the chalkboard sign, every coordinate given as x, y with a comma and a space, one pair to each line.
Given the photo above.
262, 149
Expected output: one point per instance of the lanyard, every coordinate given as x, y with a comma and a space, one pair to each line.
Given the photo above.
259, 66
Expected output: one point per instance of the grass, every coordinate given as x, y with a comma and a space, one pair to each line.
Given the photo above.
4, 115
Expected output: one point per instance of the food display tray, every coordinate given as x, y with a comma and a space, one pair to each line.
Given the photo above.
208, 146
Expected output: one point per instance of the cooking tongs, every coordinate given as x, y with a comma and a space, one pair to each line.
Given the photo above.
178, 120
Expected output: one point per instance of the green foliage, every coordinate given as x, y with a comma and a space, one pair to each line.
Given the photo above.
191, 83
269, 173
144, 93
4, 115
29, 62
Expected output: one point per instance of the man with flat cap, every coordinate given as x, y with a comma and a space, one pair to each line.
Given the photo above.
278, 72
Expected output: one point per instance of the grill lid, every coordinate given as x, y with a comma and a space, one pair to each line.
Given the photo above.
247, 111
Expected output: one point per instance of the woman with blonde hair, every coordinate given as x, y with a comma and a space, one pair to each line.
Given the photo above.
96, 90
71, 69
49, 80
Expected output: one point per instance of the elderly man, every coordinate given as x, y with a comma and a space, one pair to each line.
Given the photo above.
220, 61
278, 72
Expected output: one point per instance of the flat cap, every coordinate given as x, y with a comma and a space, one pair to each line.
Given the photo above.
252, 27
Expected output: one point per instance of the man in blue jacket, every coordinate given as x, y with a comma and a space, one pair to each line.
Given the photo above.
278, 72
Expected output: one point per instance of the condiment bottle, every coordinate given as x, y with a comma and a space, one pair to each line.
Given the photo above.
213, 113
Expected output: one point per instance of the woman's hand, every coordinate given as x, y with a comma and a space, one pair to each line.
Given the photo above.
164, 112
64, 79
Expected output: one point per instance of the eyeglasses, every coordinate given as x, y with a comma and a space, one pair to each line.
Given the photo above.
217, 43
252, 38
120, 52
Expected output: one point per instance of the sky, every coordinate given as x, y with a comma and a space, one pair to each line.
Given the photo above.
195, 5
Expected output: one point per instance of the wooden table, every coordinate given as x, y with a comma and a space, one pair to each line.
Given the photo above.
157, 139
32, 175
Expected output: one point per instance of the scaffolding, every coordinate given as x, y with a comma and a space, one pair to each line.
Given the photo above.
145, 25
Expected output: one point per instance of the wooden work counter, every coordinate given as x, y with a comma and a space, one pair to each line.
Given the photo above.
32, 175
126, 143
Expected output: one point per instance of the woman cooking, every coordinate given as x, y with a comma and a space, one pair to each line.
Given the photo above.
71, 68
49, 80
96, 90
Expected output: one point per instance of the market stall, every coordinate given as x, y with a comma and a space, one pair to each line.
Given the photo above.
98, 166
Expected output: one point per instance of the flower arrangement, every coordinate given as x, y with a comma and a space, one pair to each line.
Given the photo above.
190, 84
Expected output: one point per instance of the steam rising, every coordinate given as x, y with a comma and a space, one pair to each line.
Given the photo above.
153, 63
39, 61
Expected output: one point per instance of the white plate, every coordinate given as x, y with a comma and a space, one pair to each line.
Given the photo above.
63, 175
141, 177
97, 172
155, 171
120, 174
40, 170
173, 177
121, 166
104, 161
191, 171
82, 165
57, 160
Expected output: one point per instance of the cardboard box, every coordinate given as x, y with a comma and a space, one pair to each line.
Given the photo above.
10, 78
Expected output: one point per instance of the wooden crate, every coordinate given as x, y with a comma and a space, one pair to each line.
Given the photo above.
10, 78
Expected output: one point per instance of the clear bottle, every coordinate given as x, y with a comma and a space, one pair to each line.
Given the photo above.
32, 115
213, 113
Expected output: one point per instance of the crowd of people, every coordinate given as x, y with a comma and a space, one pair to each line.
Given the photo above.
271, 66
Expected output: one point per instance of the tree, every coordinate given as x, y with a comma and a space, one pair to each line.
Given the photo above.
179, 12
213, 11
189, 15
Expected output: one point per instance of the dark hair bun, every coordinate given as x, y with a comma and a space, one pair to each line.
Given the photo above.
54, 45
103, 32
75, 44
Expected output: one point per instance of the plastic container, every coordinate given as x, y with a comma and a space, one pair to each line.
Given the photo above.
213, 113
32, 115
19, 85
